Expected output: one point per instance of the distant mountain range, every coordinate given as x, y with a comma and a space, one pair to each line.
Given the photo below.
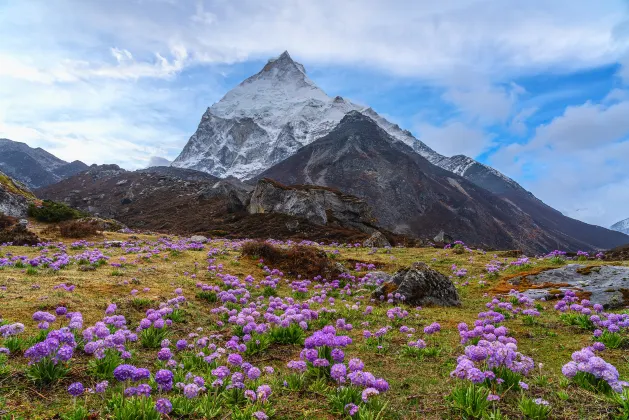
622, 226
35, 168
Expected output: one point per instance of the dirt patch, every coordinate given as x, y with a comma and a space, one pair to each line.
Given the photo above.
505, 284
305, 261
620, 253
625, 296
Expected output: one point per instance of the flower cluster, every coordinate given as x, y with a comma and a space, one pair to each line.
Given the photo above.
587, 361
58, 346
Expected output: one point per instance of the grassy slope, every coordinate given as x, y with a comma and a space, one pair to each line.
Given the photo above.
417, 389
10, 185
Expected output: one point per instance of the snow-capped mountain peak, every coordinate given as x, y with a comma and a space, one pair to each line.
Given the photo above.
622, 226
275, 112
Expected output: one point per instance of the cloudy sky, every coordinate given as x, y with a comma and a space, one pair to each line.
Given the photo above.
539, 89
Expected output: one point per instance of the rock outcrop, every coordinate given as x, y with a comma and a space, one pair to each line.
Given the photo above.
377, 240
443, 238
14, 197
606, 285
316, 204
419, 285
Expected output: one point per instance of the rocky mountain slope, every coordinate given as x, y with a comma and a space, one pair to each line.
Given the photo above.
412, 196
14, 197
34, 167
181, 201
622, 226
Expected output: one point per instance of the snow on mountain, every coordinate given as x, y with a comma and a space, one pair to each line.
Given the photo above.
622, 226
271, 115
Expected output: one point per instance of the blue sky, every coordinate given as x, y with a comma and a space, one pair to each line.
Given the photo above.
539, 89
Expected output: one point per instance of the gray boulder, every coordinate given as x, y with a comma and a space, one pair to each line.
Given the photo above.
236, 191
198, 238
319, 205
420, 285
443, 238
376, 240
606, 285
14, 197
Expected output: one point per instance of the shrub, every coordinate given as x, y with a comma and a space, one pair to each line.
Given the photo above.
18, 235
306, 261
78, 229
53, 212
6, 221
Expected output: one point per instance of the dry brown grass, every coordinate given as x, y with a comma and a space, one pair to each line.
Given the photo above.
297, 260
78, 229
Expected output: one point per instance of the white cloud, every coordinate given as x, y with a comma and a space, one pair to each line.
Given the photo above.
454, 138
422, 38
588, 126
482, 102
158, 161
577, 162
518, 122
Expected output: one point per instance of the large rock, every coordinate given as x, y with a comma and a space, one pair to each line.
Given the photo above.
443, 238
235, 191
376, 240
319, 205
420, 285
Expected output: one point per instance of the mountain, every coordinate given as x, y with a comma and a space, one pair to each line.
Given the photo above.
35, 167
622, 226
273, 113
410, 195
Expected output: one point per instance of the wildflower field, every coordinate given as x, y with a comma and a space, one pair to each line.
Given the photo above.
131, 326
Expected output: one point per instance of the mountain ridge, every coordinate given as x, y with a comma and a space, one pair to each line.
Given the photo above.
35, 167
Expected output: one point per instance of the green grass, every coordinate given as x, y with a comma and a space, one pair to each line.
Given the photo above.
419, 381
